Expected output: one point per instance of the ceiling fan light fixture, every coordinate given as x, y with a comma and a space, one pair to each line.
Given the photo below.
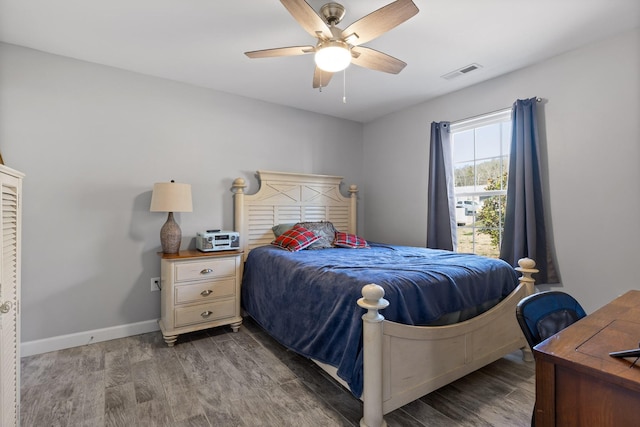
333, 56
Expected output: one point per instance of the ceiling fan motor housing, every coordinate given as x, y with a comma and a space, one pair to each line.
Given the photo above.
332, 13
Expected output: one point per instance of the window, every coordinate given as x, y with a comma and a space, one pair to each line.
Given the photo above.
481, 163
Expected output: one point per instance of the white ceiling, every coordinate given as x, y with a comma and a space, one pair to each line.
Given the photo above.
201, 42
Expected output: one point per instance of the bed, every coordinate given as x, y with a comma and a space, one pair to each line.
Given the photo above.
310, 302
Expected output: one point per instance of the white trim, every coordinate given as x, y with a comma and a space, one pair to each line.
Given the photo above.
482, 193
60, 342
483, 120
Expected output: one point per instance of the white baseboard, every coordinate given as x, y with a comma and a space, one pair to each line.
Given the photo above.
29, 348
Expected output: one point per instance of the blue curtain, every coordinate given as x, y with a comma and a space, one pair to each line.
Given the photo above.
441, 227
525, 233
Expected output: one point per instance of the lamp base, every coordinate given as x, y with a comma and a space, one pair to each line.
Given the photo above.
170, 236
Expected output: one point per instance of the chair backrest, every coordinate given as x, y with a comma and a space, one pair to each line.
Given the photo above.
544, 314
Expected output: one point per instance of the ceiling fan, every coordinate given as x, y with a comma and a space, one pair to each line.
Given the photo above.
337, 48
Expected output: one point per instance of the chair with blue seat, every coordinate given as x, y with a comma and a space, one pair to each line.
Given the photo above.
544, 314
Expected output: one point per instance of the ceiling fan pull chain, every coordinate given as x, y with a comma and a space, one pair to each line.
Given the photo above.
344, 86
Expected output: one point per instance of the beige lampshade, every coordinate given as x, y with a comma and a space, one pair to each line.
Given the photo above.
171, 197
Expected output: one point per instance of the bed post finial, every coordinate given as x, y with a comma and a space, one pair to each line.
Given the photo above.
372, 300
238, 185
527, 268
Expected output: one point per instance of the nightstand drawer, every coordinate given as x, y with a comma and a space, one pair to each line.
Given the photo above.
209, 269
205, 291
203, 313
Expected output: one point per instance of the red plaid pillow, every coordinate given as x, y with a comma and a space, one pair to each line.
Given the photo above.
346, 240
295, 239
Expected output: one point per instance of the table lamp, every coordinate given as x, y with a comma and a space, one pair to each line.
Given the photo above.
171, 197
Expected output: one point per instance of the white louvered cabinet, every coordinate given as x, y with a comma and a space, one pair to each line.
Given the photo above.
10, 208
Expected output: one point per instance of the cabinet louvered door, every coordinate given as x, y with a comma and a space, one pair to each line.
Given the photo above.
10, 186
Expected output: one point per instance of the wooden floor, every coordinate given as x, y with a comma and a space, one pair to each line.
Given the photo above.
219, 378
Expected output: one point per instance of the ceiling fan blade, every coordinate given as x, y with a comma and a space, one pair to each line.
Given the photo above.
321, 78
307, 17
281, 51
379, 22
375, 60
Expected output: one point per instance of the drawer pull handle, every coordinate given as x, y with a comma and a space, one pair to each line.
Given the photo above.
206, 293
6, 307
206, 271
206, 313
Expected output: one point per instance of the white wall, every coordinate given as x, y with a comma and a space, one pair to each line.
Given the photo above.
591, 142
92, 140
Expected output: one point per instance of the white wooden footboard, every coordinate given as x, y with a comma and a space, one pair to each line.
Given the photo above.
403, 363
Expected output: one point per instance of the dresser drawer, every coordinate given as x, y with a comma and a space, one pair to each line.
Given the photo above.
203, 313
205, 291
206, 269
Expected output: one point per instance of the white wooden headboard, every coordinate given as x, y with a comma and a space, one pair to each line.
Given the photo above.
285, 197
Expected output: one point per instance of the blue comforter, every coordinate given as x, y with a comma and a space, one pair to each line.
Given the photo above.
307, 300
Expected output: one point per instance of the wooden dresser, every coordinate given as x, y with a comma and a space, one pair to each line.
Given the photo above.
578, 383
199, 290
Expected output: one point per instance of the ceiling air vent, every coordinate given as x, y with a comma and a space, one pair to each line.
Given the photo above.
461, 71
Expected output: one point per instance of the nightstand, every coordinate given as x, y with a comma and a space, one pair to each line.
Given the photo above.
199, 290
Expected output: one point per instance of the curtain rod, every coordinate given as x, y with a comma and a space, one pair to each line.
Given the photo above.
487, 114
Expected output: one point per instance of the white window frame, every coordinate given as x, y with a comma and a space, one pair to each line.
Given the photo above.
495, 117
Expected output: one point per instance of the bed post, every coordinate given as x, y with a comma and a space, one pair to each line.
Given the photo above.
353, 212
372, 300
238, 211
527, 268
